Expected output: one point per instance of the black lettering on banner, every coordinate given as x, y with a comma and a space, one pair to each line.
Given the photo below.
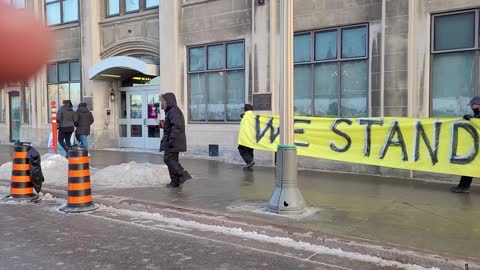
341, 134
269, 126
433, 151
301, 131
368, 132
469, 157
394, 130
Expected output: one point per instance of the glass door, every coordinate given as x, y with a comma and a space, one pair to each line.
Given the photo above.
15, 116
139, 119
152, 127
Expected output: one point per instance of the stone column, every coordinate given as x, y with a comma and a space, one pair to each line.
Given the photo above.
104, 129
261, 86
170, 69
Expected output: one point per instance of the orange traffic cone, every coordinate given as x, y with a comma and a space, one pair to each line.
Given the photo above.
21, 186
79, 187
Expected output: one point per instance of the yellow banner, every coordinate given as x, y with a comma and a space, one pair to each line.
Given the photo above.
446, 145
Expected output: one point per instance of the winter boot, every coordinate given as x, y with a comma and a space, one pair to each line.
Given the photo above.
172, 185
460, 190
184, 178
249, 165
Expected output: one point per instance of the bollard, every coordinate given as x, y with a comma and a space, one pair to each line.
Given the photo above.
21, 187
79, 197
54, 127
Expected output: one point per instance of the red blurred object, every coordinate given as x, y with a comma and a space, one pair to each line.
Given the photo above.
25, 44
54, 126
162, 122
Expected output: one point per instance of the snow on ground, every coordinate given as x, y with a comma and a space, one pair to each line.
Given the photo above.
132, 175
55, 169
283, 241
55, 172
6, 171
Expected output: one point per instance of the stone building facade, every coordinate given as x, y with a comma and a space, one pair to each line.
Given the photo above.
353, 58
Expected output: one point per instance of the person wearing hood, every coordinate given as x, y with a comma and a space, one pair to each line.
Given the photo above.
174, 140
85, 120
66, 119
466, 181
246, 152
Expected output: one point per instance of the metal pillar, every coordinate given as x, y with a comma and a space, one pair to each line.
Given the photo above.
286, 198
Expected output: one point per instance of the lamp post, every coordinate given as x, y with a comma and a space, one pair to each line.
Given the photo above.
286, 198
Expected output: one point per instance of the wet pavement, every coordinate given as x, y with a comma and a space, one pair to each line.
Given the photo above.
408, 213
37, 236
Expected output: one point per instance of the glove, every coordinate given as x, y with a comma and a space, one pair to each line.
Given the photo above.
467, 117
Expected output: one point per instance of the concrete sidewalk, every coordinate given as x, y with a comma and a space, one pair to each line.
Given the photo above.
411, 214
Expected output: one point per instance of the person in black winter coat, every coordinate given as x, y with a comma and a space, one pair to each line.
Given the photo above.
174, 140
66, 119
85, 120
466, 181
247, 152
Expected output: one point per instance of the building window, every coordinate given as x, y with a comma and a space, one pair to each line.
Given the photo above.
216, 82
331, 72
26, 104
455, 60
63, 83
61, 11
121, 7
14, 3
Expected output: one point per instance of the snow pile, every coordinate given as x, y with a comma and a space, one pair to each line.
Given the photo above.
283, 241
131, 175
55, 169
55, 172
6, 171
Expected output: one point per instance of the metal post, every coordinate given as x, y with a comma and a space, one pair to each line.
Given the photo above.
286, 198
54, 126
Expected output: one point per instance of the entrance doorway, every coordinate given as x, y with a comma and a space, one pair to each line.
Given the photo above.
140, 112
15, 115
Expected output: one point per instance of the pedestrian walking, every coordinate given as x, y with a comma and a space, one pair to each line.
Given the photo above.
466, 181
66, 119
85, 120
174, 140
246, 152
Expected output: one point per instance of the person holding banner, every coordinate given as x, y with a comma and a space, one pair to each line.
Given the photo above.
466, 181
245, 151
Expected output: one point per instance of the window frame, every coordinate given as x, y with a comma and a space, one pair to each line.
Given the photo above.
62, 22
433, 52
206, 71
152, 7
339, 60
58, 82
122, 8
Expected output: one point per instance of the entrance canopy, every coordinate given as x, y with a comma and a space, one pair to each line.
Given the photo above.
121, 67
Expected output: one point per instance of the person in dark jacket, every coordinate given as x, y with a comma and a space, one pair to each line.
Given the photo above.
247, 152
466, 181
174, 140
66, 119
85, 120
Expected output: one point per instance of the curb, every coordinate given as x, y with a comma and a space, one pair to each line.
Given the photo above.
405, 255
